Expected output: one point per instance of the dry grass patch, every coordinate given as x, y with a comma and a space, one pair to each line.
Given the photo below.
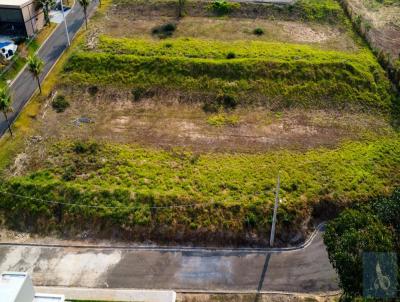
171, 120
322, 35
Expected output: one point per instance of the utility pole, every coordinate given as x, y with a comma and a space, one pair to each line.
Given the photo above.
272, 237
65, 23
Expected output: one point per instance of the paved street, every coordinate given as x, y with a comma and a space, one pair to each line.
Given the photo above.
24, 86
305, 270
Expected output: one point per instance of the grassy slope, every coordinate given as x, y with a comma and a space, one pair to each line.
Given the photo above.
240, 187
284, 74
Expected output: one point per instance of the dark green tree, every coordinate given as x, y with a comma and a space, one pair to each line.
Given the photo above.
347, 237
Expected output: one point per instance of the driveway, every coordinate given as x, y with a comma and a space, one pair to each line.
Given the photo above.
305, 270
24, 85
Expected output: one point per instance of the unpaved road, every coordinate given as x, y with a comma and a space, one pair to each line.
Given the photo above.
304, 270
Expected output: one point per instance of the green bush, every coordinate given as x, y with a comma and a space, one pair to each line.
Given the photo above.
222, 101
85, 147
93, 90
140, 92
223, 7
165, 30
258, 31
230, 55
60, 103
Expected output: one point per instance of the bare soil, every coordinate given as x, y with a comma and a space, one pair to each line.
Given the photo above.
169, 121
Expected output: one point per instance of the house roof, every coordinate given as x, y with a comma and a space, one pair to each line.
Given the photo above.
10, 286
14, 3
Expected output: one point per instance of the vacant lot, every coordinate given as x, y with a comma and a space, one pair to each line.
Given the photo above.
380, 21
175, 130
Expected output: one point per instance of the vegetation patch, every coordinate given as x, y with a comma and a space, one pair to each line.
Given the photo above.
369, 227
178, 195
223, 7
60, 103
164, 31
324, 11
281, 74
219, 120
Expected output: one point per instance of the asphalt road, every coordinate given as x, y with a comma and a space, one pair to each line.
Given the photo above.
305, 270
25, 85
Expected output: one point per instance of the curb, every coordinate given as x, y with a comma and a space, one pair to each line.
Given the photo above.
302, 246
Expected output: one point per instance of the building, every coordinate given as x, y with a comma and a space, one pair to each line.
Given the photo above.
21, 18
17, 287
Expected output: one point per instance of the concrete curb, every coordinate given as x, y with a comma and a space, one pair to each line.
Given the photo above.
304, 245
156, 295
99, 294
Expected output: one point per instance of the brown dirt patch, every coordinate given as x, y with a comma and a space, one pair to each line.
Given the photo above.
168, 121
324, 36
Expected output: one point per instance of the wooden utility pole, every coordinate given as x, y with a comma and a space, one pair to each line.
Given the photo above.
272, 237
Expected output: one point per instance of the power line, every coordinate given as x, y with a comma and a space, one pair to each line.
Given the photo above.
104, 207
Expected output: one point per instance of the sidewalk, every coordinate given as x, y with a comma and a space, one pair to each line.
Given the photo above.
121, 295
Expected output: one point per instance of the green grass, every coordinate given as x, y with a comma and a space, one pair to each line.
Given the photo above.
211, 49
324, 11
285, 75
235, 192
221, 119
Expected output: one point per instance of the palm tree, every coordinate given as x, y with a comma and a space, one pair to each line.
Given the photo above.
35, 66
84, 4
5, 105
46, 5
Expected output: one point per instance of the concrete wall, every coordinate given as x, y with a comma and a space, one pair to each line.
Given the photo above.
33, 18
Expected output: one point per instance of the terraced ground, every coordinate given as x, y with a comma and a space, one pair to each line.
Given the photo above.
175, 129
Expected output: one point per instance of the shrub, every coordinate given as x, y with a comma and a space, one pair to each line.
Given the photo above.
223, 7
165, 30
69, 173
227, 101
85, 147
231, 55
60, 103
222, 101
141, 92
258, 31
93, 90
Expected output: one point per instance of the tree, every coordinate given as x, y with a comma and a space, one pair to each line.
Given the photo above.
5, 105
35, 66
46, 5
181, 8
84, 4
346, 237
